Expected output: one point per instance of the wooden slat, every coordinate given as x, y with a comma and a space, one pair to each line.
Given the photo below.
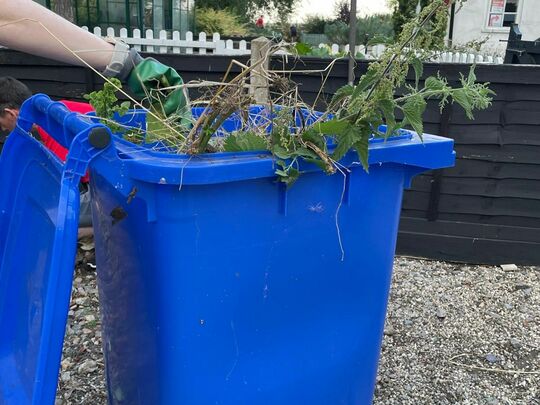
467, 250
465, 204
508, 220
496, 134
469, 229
64, 74
482, 187
508, 153
495, 170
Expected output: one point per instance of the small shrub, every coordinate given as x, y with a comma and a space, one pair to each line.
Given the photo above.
222, 21
314, 24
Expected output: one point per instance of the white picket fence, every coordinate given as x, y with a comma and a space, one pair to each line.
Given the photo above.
164, 44
374, 52
217, 46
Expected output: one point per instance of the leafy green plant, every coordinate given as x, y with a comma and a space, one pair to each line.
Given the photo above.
321, 51
353, 116
404, 10
105, 103
245, 141
359, 110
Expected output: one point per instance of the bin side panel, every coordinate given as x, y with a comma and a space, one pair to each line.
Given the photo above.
237, 292
34, 293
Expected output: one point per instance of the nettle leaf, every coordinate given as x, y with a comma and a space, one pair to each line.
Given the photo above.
413, 109
244, 141
331, 127
341, 94
345, 141
281, 152
433, 83
471, 79
365, 82
362, 148
287, 174
460, 96
418, 67
315, 137
388, 109
306, 153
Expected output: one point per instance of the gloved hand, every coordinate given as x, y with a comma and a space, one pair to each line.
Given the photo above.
144, 76
150, 75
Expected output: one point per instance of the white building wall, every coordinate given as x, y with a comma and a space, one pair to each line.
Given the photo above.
470, 24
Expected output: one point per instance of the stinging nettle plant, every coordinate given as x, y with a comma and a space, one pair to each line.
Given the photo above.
353, 116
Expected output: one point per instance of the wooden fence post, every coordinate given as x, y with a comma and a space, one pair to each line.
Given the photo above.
258, 82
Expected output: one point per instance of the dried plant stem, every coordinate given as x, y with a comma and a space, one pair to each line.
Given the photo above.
491, 370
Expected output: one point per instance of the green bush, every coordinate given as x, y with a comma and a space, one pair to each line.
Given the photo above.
376, 27
337, 32
222, 21
314, 24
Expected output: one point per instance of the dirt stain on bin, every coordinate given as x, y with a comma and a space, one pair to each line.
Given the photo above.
118, 214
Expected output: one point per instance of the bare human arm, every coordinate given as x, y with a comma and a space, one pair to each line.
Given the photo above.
29, 27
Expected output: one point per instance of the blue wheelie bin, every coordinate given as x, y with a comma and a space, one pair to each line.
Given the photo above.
219, 285
39, 212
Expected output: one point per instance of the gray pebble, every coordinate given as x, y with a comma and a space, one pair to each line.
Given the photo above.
492, 358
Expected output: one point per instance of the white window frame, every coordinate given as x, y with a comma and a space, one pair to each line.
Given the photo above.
487, 28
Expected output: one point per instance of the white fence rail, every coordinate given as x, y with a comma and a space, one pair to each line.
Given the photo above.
374, 52
163, 44
172, 43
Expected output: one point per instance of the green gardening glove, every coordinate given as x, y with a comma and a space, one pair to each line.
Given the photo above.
149, 74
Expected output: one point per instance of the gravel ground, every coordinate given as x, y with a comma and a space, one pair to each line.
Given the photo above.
455, 334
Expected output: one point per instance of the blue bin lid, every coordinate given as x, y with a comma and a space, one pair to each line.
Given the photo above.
158, 163
39, 213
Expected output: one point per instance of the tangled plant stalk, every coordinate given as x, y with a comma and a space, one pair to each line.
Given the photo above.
293, 132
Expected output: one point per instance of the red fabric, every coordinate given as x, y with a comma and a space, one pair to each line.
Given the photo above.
55, 147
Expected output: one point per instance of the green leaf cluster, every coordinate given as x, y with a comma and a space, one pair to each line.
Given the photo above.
105, 103
245, 141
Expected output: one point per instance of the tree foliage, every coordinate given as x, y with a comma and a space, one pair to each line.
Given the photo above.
368, 28
222, 21
342, 11
248, 9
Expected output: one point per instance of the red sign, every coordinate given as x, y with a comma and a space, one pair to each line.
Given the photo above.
497, 6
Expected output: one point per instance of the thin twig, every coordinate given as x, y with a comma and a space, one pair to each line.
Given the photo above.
491, 370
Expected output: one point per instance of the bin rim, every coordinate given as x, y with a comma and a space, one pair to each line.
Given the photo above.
155, 166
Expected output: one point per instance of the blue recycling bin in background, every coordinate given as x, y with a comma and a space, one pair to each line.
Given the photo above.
219, 285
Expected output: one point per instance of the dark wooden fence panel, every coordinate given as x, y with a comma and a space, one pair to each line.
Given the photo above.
485, 209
